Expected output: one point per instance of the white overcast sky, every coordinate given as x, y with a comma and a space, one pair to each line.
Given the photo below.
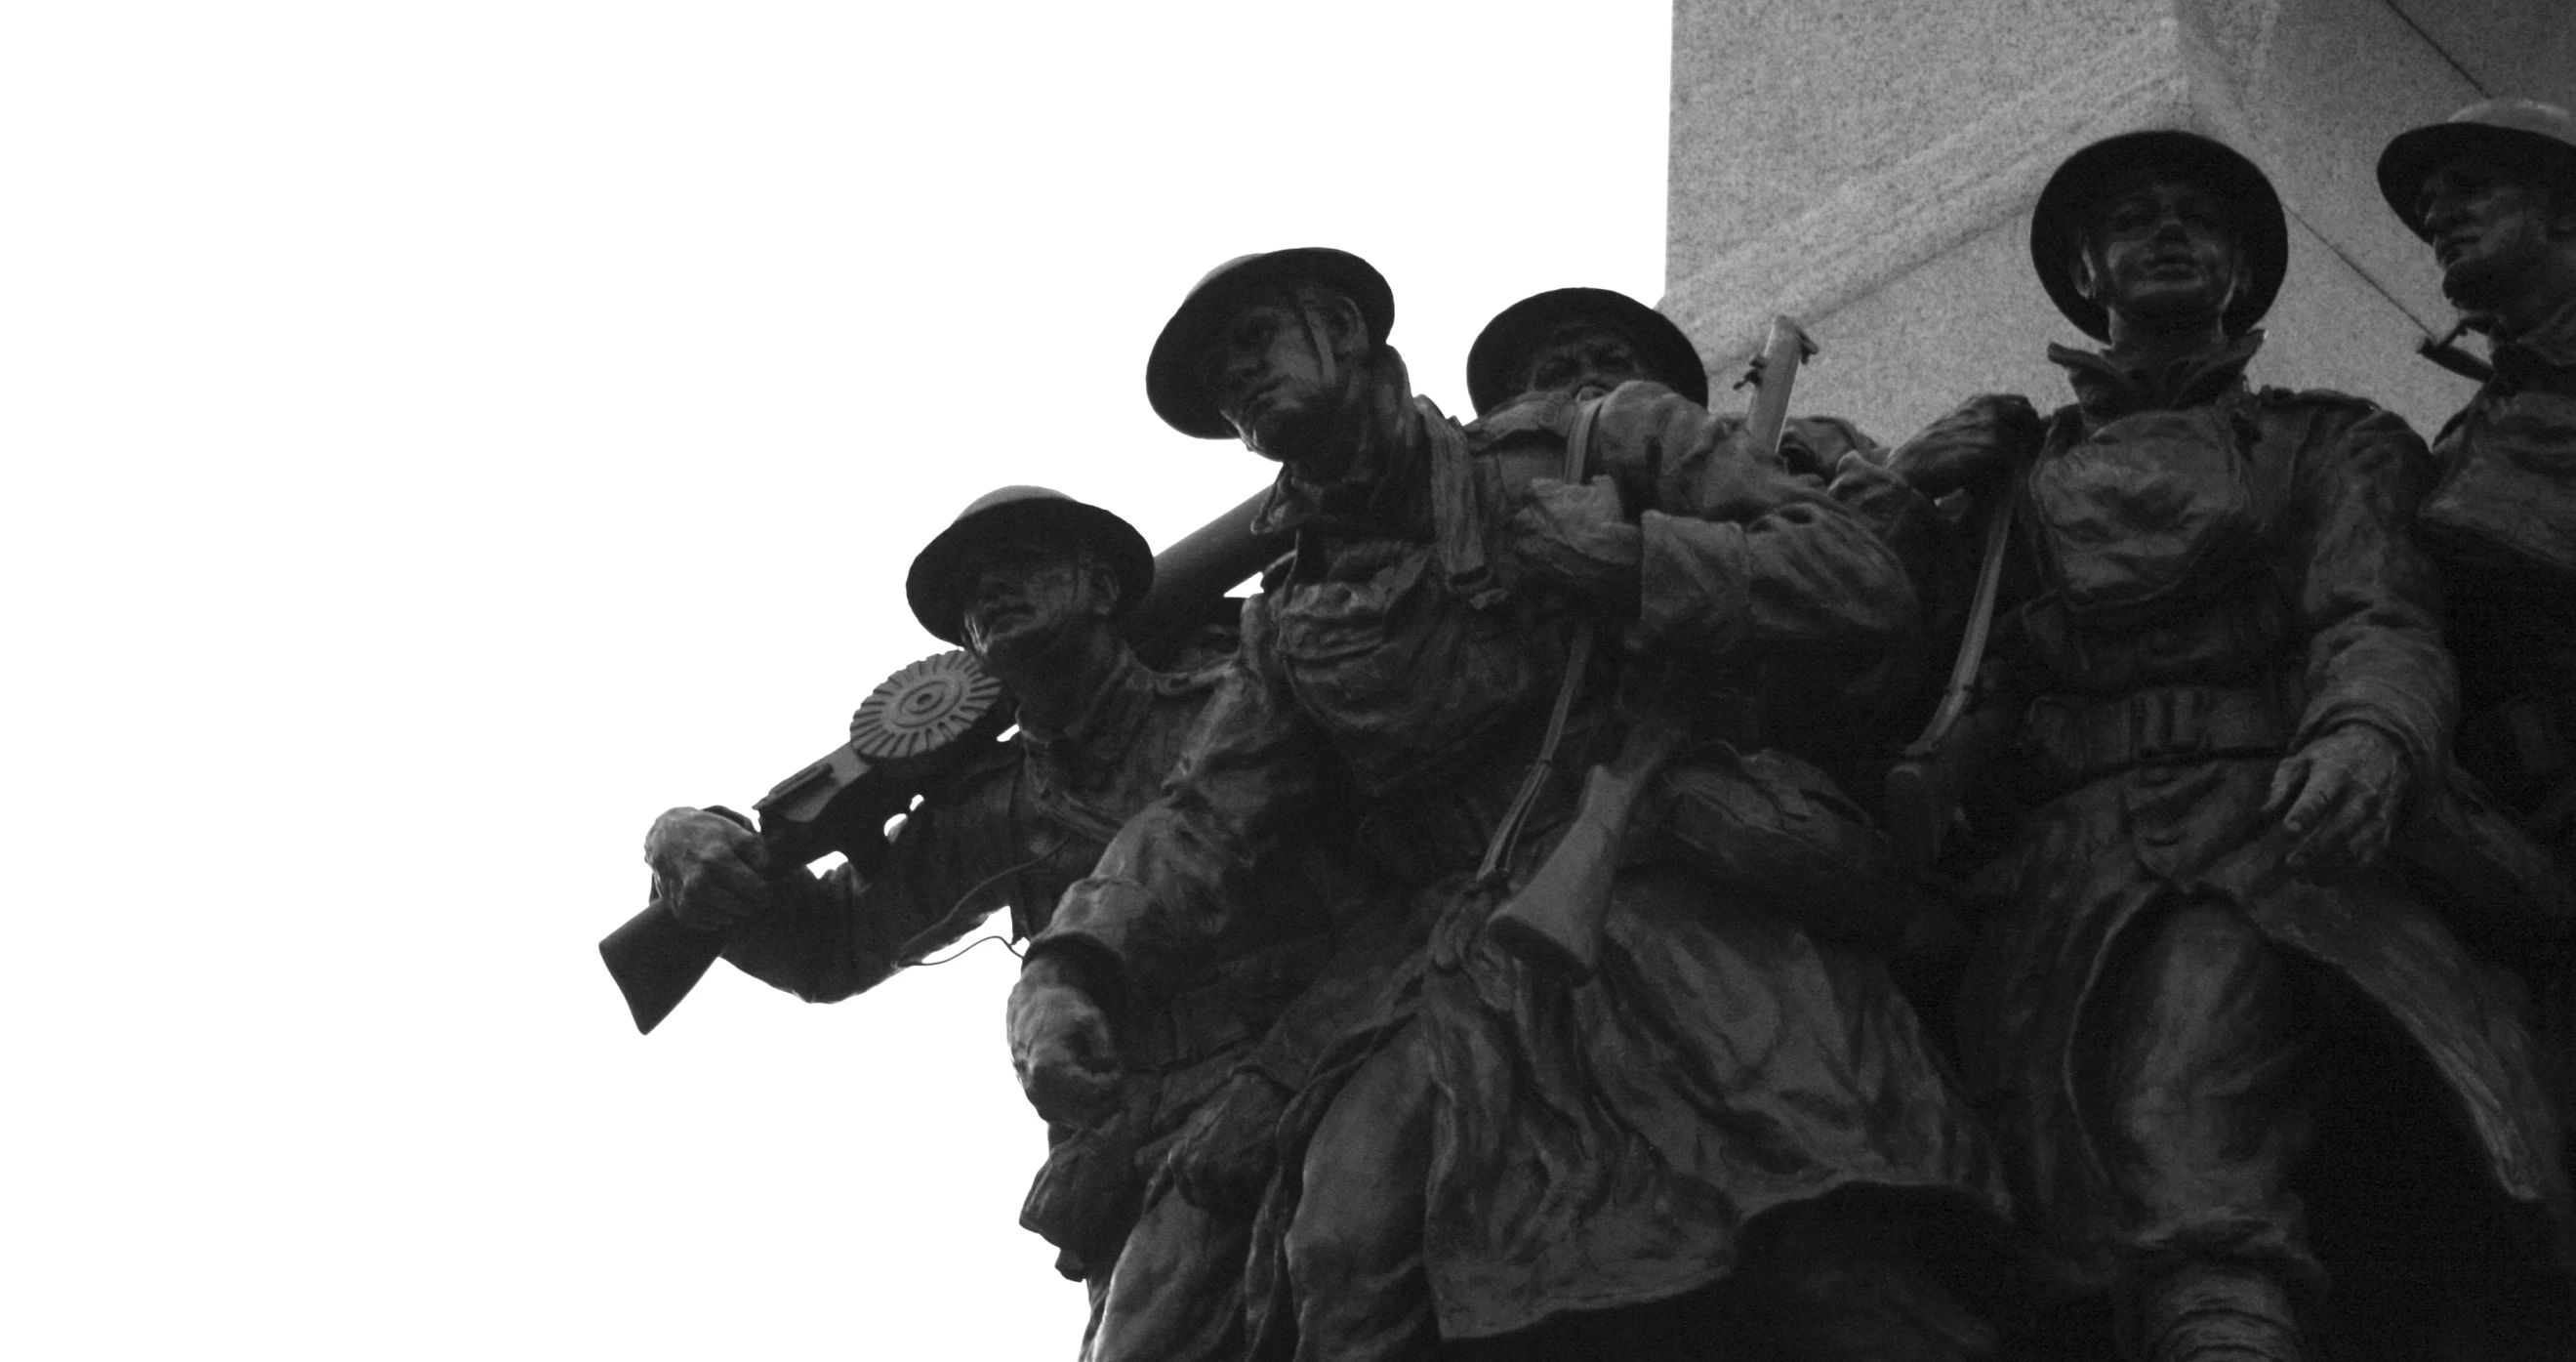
440, 436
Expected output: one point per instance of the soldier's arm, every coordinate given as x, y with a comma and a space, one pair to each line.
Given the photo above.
1170, 885
2381, 691
1739, 550
2367, 598
825, 938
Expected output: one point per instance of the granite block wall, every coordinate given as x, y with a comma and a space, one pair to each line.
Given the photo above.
1869, 165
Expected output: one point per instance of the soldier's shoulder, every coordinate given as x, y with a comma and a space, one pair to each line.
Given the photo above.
1530, 416
2318, 399
2347, 431
2334, 415
1831, 437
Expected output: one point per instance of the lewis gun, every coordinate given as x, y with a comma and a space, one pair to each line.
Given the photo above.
912, 733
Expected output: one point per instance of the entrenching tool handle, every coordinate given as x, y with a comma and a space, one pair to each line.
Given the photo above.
1554, 923
1773, 378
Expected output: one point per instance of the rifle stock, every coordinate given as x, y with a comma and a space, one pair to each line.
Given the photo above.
1922, 792
1554, 923
843, 801
656, 959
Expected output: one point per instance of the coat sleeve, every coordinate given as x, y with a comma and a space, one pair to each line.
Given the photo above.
1172, 883
826, 938
2368, 599
1739, 551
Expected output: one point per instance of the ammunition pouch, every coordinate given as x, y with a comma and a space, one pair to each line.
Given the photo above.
1775, 828
2507, 489
1086, 1196
2151, 509
1224, 1008
1440, 824
2073, 740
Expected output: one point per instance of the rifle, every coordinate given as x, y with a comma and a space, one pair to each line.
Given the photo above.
911, 735
1922, 790
1554, 923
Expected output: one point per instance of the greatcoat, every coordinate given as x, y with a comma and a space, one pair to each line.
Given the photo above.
1015, 829
1741, 1048
2206, 577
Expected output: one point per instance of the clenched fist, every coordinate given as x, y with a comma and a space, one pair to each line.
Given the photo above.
1060, 1044
1980, 441
710, 869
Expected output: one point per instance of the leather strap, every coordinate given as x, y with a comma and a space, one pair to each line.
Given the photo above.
1498, 852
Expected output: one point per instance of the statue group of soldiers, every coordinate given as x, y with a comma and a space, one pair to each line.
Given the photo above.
2231, 1023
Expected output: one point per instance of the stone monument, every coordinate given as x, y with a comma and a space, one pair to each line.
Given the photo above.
1871, 168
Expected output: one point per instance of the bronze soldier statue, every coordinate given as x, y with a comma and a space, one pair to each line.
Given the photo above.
1575, 344
1543, 355
2493, 190
1734, 1127
2230, 1057
1552, 351
1031, 582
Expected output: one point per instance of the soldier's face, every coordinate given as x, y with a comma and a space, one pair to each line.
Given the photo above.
1273, 382
2490, 233
1584, 359
1023, 602
2161, 251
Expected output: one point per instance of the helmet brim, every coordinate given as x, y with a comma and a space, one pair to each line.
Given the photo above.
1176, 372
2058, 222
1501, 355
2412, 157
931, 586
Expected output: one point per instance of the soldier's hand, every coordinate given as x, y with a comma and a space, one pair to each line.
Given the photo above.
1578, 536
1060, 1045
1223, 1158
1977, 443
2338, 799
710, 868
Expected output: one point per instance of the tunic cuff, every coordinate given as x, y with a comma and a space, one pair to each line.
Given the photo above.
2421, 742
1099, 920
1900, 516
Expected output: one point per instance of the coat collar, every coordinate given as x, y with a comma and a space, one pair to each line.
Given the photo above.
1101, 733
2107, 392
1383, 488
2540, 357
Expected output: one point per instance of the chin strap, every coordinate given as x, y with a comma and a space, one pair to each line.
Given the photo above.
1321, 342
1354, 426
